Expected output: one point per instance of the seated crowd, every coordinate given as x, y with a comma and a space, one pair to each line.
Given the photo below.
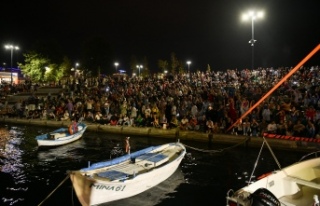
202, 101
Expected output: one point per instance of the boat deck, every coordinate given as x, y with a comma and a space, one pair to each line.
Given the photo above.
131, 168
305, 196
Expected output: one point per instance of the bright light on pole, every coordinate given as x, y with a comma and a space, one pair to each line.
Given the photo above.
139, 67
188, 62
253, 15
116, 64
11, 47
75, 70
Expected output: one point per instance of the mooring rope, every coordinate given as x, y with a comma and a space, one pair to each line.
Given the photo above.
54, 190
216, 151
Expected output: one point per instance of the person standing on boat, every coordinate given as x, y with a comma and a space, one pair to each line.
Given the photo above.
127, 145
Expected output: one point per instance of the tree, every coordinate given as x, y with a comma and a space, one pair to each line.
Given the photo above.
39, 68
163, 65
145, 71
174, 63
66, 66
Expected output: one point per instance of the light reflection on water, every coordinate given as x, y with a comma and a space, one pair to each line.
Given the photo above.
12, 163
30, 173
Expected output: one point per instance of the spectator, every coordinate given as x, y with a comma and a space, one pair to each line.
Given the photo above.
272, 127
65, 116
174, 122
193, 124
255, 129
184, 123
299, 129
311, 130
210, 126
246, 127
164, 121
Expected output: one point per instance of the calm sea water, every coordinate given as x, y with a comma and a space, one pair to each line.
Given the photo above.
33, 176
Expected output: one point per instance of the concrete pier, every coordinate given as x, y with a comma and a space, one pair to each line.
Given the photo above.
175, 134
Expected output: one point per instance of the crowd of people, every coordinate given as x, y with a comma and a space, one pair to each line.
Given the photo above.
210, 101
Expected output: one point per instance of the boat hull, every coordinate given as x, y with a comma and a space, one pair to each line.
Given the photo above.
293, 185
91, 191
44, 140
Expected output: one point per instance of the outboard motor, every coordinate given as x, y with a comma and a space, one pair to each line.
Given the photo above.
263, 197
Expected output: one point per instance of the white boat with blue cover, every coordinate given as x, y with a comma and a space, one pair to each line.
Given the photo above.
127, 175
61, 136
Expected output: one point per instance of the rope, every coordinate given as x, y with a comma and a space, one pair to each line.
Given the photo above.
219, 150
271, 151
256, 163
54, 190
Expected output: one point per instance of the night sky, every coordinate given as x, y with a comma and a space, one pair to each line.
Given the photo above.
202, 31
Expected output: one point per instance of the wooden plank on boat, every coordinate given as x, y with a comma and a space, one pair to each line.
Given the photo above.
303, 182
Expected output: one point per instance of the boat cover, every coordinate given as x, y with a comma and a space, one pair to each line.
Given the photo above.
113, 175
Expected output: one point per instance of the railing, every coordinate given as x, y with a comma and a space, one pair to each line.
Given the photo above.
314, 154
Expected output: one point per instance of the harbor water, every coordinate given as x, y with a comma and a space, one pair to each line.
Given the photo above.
38, 176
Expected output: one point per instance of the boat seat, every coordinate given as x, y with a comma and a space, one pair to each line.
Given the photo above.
57, 135
151, 159
113, 175
303, 182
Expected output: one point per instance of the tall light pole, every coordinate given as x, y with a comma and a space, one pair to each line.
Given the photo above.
116, 64
11, 47
189, 62
253, 15
139, 67
75, 70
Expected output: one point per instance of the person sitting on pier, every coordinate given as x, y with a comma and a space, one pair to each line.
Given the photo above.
193, 124
184, 123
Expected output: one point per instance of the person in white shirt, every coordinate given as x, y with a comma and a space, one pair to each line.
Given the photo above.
184, 123
272, 127
65, 116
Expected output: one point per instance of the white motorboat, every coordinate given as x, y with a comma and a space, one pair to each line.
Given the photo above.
294, 185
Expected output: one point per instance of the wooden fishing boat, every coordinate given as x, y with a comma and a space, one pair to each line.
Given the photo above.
127, 175
294, 185
61, 136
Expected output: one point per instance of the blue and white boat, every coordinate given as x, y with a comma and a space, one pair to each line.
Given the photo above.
127, 175
61, 136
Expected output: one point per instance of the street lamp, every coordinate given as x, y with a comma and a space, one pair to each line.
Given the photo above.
11, 47
139, 67
116, 64
75, 70
189, 62
253, 15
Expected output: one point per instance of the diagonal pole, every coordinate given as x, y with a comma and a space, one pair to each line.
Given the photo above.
315, 50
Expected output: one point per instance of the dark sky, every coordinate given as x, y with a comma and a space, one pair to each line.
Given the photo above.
202, 31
